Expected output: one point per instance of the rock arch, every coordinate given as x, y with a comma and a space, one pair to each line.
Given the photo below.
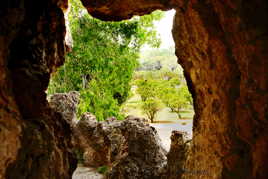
222, 46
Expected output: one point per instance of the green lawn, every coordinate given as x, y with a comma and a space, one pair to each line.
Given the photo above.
133, 107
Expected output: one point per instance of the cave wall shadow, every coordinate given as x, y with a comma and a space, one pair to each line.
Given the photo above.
222, 47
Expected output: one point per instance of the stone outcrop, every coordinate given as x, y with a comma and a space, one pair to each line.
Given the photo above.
66, 104
222, 46
177, 155
130, 148
35, 141
115, 10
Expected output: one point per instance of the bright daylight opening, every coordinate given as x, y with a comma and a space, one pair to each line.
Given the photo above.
121, 69
159, 91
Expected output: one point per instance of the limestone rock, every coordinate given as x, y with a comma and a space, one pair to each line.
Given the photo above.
177, 155
65, 104
221, 45
131, 148
109, 9
35, 141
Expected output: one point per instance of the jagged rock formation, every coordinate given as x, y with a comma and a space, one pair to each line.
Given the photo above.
177, 155
222, 46
35, 141
130, 148
115, 10
66, 104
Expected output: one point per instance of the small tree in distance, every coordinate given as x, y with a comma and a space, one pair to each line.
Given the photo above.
162, 88
175, 98
150, 107
148, 90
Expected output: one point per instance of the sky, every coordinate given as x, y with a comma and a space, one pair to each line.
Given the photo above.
164, 27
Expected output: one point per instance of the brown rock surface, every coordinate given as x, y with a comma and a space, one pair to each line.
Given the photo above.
116, 10
66, 104
34, 140
176, 156
222, 46
130, 148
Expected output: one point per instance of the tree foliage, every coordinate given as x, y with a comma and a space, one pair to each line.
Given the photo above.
175, 98
103, 59
148, 90
162, 87
150, 107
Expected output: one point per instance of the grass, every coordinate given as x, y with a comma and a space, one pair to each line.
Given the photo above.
133, 107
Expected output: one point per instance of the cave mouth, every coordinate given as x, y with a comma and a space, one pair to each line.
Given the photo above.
159, 65
157, 71
221, 46
157, 77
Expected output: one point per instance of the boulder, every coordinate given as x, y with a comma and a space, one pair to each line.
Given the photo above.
130, 148
66, 104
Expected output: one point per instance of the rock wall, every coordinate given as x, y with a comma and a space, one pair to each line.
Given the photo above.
223, 48
35, 140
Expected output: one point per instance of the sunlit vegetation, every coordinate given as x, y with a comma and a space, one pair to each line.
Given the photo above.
103, 59
106, 61
159, 89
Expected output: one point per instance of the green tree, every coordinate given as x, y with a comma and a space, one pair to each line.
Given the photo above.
175, 98
103, 59
148, 90
150, 107
165, 86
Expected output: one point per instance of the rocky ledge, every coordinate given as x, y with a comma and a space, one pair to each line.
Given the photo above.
130, 148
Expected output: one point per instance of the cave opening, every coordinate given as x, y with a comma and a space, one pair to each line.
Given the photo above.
222, 47
157, 74
154, 87
155, 80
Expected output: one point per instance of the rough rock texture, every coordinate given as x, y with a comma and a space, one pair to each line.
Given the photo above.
66, 104
176, 156
222, 46
34, 140
131, 148
118, 10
